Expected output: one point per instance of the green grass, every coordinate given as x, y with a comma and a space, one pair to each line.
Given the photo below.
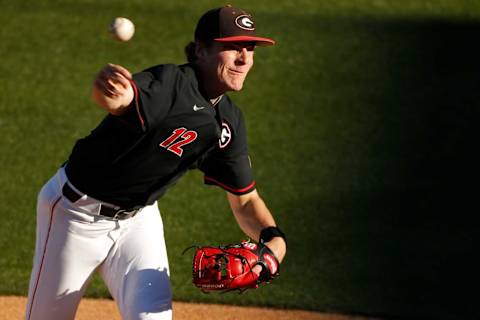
362, 130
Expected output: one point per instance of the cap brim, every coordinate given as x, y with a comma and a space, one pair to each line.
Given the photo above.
258, 40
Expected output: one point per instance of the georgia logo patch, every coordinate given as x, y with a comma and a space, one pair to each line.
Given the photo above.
245, 22
225, 136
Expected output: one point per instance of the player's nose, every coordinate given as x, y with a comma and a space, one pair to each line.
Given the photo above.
243, 56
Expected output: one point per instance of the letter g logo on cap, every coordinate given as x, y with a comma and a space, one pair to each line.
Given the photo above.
245, 22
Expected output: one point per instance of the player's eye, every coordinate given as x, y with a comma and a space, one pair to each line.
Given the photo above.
230, 47
250, 46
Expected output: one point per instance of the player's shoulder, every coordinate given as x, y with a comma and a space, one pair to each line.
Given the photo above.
160, 71
171, 72
165, 75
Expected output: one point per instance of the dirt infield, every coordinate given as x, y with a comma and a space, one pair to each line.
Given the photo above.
13, 308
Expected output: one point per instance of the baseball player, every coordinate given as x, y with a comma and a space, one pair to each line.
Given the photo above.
99, 211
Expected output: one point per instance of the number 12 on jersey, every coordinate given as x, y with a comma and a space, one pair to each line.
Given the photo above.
179, 138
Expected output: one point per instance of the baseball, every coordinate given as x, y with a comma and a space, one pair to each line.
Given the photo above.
122, 29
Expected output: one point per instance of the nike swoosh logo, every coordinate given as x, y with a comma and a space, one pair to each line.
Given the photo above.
196, 108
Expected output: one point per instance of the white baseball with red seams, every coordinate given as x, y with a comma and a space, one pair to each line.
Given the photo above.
122, 29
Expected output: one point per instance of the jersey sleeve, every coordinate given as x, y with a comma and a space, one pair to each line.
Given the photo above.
154, 90
228, 164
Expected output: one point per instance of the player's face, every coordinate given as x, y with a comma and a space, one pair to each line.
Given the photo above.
228, 64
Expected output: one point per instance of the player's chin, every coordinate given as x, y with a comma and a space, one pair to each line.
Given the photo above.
236, 84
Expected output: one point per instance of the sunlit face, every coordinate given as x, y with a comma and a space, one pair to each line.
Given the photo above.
226, 65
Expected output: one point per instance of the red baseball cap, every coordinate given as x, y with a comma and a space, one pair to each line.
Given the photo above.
229, 24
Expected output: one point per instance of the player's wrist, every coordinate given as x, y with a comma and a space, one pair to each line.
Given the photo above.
268, 233
275, 240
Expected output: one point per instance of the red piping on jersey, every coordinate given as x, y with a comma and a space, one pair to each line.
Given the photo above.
224, 186
135, 90
43, 257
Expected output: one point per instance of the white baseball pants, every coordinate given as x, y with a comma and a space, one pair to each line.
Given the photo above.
72, 242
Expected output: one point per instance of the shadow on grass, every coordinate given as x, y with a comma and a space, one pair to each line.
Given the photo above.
404, 170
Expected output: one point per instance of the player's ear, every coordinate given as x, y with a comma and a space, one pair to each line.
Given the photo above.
201, 50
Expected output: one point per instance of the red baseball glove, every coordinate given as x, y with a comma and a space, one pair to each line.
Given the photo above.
226, 268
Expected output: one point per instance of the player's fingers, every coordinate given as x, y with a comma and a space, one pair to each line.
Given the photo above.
257, 269
101, 81
120, 79
101, 84
121, 70
110, 76
106, 88
113, 88
115, 75
112, 81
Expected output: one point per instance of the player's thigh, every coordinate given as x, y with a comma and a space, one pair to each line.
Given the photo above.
137, 271
65, 257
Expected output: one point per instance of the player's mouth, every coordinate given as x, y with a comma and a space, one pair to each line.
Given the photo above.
235, 72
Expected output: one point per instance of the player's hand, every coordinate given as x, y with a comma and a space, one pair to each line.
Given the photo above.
112, 89
278, 247
113, 80
257, 270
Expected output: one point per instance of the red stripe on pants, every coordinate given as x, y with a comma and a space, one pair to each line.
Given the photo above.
43, 257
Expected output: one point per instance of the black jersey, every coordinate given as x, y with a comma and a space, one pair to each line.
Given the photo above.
131, 160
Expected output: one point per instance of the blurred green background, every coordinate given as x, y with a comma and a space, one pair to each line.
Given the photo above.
362, 132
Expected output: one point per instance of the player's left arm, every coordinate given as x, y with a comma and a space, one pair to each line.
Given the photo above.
253, 216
